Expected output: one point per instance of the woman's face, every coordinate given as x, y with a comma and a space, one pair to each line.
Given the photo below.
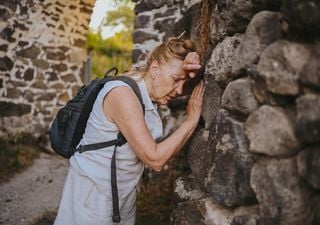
168, 80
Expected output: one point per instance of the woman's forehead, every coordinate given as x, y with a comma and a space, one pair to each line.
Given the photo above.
175, 67
175, 63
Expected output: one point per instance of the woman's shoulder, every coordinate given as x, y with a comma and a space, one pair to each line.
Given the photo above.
133, 74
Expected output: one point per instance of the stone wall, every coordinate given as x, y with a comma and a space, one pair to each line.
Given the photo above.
155, 21
42, 51
257, 158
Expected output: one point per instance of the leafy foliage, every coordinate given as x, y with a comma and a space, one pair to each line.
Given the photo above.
123, 15
116, 50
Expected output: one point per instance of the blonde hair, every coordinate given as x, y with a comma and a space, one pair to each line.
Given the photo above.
172, 48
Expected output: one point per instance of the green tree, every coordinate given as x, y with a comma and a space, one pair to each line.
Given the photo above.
124, 15
116, 50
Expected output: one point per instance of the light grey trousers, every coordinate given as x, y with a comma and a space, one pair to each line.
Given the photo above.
83, 204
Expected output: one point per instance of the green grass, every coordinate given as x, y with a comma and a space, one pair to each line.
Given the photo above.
16, 154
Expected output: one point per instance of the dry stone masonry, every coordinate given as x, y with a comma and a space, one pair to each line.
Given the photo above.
256, 160
42, 50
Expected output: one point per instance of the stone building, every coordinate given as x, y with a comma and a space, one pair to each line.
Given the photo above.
42, 55
256, 159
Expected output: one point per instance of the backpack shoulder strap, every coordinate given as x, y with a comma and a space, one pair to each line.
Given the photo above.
120, 139
134, 87
113, 70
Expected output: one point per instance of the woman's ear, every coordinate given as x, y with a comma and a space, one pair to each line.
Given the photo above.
154, 68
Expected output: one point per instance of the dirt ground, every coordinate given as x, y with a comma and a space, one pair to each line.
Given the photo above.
34, 192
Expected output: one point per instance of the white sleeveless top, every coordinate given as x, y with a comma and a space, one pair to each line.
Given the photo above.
97, 164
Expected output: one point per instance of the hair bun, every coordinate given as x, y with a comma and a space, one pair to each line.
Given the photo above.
189, 45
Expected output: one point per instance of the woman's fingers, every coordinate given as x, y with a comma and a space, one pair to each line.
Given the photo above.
192, 57
191, 69
195, 102
191, 64
199, 89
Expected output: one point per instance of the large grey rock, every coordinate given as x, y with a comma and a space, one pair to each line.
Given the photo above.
308, 118
273, 5
40, 63
283, 198
270, 131
28, 74
231, 17
12, 109
261, 93
215, 214
187, 213
311, 72
264, 28
309, 166
187, 188
142, 36
246, 216
220, 62
165, 13
8, 33
56, 54
207, 211
280, 66
136, 55
141, 21
5, 14
4, 47
199, 156
188, 21
211, 100
165, 24
148, 5
228, 180
30, 52
238, 98
13, 93
302, 15
6, 64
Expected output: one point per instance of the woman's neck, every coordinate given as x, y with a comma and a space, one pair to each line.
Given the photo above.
148, 82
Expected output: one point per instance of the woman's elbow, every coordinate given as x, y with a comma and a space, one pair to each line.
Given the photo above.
155, 164
154, 160
157, 168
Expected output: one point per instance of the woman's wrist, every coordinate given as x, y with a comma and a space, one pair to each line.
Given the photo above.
191, 123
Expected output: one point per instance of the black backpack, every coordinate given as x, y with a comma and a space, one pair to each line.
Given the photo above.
69, 125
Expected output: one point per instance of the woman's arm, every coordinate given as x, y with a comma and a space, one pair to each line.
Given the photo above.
122, 107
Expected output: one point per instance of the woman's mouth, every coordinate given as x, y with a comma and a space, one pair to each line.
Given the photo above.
170, 97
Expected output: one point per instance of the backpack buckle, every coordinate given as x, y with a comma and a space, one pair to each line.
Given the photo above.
116, 219
121, 140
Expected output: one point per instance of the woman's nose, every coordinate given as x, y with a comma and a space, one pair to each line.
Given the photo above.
179, 89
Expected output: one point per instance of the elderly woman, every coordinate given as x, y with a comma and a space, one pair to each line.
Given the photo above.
87, 194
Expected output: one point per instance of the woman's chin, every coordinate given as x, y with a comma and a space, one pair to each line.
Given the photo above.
164, 101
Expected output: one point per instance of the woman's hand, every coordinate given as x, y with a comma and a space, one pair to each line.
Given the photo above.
195, 103
191, 64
